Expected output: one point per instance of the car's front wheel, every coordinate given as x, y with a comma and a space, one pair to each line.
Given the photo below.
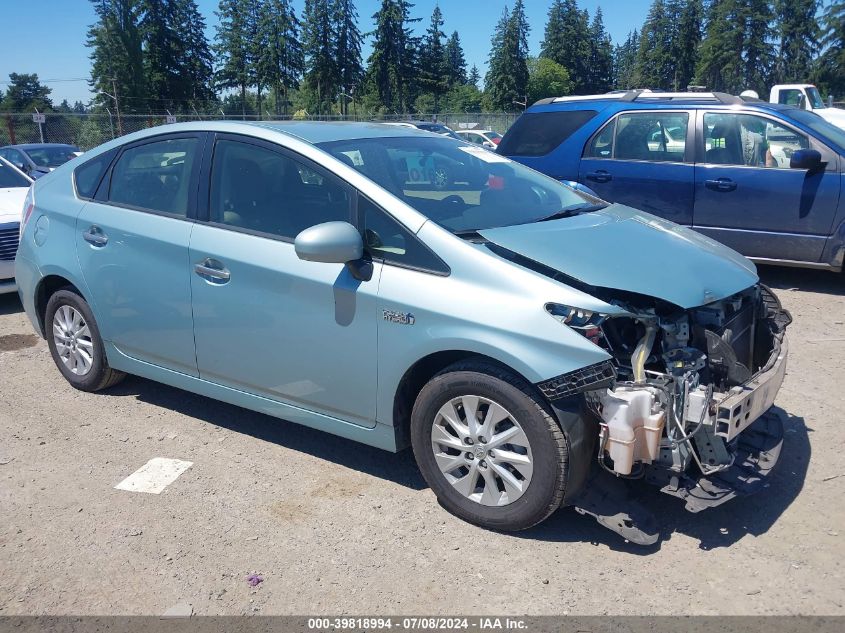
489, 448
75, 343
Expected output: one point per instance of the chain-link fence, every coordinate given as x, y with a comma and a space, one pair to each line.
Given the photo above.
89, 130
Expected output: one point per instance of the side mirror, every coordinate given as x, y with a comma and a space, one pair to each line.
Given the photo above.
809, 159
330, 243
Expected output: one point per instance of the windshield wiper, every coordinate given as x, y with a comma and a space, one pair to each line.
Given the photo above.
574, 209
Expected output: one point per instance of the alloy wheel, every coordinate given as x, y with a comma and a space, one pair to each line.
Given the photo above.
482, 450
73, 340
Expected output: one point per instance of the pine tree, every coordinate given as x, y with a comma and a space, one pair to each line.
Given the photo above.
25, 93
321, 71
798, 34
391, 66
600, 76
831, 69
434, 68
350, 70
655, 65
720, 64
280, 60
758, 52
117, 62
625, 61
567, 41
456, 63
197, 62
688, 16
234, 49
507, 77
474, 76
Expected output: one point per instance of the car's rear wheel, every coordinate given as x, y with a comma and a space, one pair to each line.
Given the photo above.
75, 343
489, 448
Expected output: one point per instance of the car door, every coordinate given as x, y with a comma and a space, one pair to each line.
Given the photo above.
266, 322
746, 195
642, 159
132, 244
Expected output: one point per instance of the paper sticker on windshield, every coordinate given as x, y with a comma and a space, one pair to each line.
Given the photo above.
483, 154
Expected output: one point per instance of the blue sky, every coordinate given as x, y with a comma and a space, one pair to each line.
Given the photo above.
57, 51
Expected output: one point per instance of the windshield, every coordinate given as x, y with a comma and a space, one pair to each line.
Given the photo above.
11, 177
815, 98
826, 131
51, 156
462, 187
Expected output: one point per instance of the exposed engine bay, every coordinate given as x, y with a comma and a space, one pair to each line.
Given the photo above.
684, 388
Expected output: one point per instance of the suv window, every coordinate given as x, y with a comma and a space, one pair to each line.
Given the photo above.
260, 189
388, 240
538, 133
650, 136
748, 140
155, 176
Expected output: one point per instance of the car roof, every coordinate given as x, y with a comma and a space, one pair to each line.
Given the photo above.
37, 145
329, 131
636, 100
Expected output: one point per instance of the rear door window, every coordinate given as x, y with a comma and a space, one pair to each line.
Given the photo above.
538, 133
647, 136
88, 175
155, 176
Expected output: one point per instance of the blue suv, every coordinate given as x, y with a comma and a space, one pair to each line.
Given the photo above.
765, 179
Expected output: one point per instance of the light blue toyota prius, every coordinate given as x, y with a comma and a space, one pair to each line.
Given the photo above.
536, 346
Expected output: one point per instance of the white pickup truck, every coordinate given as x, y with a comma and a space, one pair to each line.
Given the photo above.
807, 96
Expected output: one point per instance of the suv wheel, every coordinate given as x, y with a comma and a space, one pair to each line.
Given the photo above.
488, 447
75, 343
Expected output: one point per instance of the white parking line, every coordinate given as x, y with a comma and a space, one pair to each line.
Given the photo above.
155, 475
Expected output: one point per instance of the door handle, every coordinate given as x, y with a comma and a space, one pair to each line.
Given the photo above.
720, 184
212, 271
95, 236
599, 176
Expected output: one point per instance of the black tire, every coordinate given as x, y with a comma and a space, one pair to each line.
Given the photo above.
100, 375
549, 446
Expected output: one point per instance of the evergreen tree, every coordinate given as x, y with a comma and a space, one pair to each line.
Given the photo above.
347, 48
391, 65
831, 70
160, 43
720, 65
567, 41
474, 76
507, 77
625, 62
434, 67
655, 66
25, 93
455, 61
758, 51
234, 49
321, 71
688, 16
117, 62
280, 59
798, 34
600, 77
196, 59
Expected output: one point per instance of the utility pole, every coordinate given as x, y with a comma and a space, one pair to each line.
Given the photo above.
116, 106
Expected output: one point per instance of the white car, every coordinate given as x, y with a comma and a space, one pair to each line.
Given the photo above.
14, 185
485, 138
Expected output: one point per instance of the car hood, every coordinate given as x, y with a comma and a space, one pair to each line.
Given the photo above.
624, 249
11, 204
833, 115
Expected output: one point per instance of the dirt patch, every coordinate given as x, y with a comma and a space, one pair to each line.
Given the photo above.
14, 342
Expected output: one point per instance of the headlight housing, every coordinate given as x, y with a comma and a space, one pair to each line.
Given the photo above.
585, 322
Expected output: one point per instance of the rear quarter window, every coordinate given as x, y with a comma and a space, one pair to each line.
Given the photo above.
88, 175
538, 133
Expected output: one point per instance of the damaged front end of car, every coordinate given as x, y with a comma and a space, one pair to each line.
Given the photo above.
683, 403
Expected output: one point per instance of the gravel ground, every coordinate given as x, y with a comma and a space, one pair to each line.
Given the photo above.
335, 527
